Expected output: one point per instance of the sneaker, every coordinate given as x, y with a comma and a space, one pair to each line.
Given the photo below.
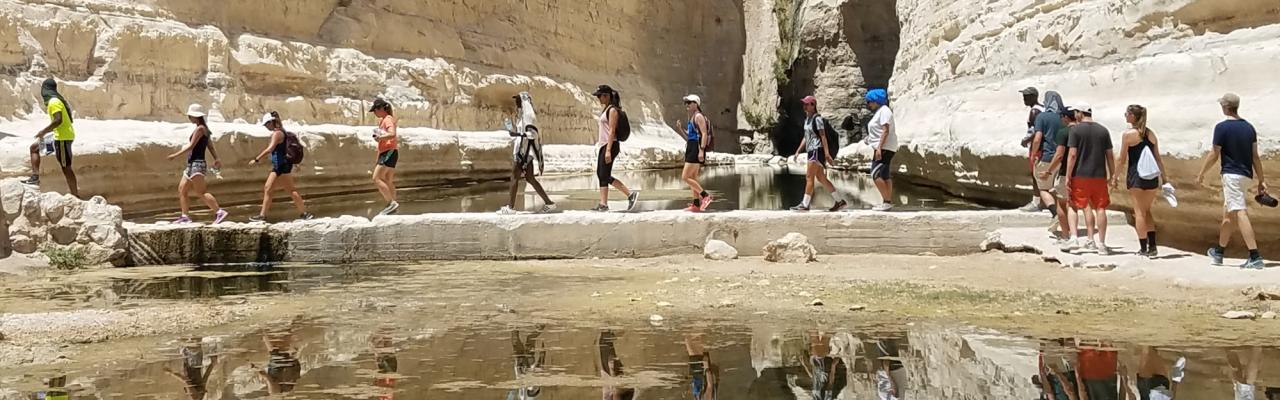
184, 219
706, 202
1152, 252
693, 207
1179, 369
1089, 245
603, 207
1033, 206
33, 180
219, 216
1215, 256
800, 207
1253, 263
1070, 245
632, 199
548, 208
257, 218
882, 207
840, 205
306, 216
391, 208
506, 210
1103, 250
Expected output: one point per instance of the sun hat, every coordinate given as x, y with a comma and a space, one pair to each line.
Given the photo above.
693, 98
195, 110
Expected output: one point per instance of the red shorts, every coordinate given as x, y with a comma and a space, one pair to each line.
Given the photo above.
1090, 192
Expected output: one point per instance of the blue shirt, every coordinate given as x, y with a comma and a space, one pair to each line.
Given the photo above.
691, 132
1236, 137
1048, 123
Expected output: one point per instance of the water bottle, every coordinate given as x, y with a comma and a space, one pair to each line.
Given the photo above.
376, 133
216, 172
507, 123
48, 145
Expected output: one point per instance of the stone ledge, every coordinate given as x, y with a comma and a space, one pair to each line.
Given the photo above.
574, 234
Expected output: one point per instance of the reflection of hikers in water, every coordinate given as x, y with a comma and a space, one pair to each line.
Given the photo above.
891, 375
384, 354
827, 371
611, 368
57, 389
194, 375
283, 368
530, 353
1244, 372
526, 148
705, 375
1057, 376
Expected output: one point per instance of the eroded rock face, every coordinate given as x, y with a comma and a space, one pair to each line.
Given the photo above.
40, 220
792, 248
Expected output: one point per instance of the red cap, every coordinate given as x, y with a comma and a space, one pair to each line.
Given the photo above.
809, 100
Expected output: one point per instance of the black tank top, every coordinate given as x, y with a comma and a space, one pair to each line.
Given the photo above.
197, 152
1135, 153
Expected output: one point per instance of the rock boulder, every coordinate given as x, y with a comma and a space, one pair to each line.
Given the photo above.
792, 248
719, 250
40, 220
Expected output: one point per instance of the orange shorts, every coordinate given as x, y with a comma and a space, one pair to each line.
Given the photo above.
1090, 192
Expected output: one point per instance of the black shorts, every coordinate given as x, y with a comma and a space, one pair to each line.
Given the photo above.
62, 151
818, 156
691, 149
389, 158
882, 169
281, 167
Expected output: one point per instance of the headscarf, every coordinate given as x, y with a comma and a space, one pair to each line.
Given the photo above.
527, 123
1053, 102
879, 96
527, 116
49, 91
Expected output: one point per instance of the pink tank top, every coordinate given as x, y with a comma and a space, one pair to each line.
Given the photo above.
603, 139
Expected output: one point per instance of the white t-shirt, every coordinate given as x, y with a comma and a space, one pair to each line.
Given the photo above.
876, 131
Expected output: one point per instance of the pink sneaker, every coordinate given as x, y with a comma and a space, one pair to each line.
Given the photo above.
184, 219
693, 208
706, 202
219, 216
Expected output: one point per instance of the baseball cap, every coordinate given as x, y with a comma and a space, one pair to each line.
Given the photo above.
1230, 100
693, 98
379, 103
1030, 91
602, 89
195, 110
809, 100
268, 117
1082, 107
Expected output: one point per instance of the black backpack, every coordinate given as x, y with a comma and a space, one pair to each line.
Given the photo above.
293, 150
624, 124
711, 133
833, 137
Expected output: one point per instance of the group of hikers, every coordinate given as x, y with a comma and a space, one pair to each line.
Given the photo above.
1075, 166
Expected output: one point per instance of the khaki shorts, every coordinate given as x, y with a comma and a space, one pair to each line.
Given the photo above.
1233, 187
1060, 187
1043, 183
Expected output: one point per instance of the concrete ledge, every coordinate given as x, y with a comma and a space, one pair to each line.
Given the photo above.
566, 235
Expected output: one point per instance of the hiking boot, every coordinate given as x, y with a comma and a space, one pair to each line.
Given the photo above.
1253, 263
1033, 206
882, 207
184, 219
33, 180
506, 210
306, 216
548, 208
632, 199
1215, 256
257, 218
840, 205
706, 202
219, 216
391, 208
800, 207
603, 207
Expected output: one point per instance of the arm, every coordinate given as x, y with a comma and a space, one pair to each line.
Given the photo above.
217, 163
1062, 379
1155, 151
822, 138
888, 130
1035, 145
799, 150
1122, 162
195, 137
1074, 154
613, 132
277, 137
1257, 170
1111, 170
390, 133
53, 124
702, 123
1208, 163
1059, 157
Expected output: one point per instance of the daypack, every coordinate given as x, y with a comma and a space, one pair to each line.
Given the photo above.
833, 137
293, 150
1147, 166
711, 133
624, 125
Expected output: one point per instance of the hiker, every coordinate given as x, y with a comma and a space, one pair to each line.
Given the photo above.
281, 175
384, 169
1068, 221
704, 374
1089, 162
697, 134
1236, 143
1244, 372
1140, 143
1158, 379
608, 146
193, 176
828, 374
891, 373
882, 135
1043, 149
60, 123
530, 354
1031, 98
194, 376
816, 145
610, 367
526, 148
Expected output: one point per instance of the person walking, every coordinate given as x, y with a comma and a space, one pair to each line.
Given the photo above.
193, 176
60, 123
1140, 142
384, 169
1068, 221
883, 137
1043, 148
281, 175
1089, 162
815, 145
698, 141
1235, 142
608, 146
1031, 99
526, 148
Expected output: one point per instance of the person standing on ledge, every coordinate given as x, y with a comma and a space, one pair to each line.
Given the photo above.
1043, 150
1089, 161
60, 121
526, 148
882, 135
698, 142
608, 146
1236, 143
384, 171
281, 175
1140, 140
817, 147
193, 175
1031, 98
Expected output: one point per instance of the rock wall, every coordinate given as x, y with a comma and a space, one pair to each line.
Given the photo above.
40, 221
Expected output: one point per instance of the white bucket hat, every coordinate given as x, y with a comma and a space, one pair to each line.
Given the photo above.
195, 110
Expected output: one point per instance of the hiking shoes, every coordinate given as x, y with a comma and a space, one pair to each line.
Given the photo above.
706, 202
882, 207
257, 218
800, 207
632, 199
840, 205
33, 180
306, 216
506, 210
548, 208
392, 207
1215, 256
1253, 263
603, 207
219, 216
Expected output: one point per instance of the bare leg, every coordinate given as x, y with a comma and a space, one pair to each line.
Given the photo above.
286, 182
690, 176
621, 187
266, 193
1064, 217
826, 182
1090, 223
885, 188
515, 184
35, 159
1246, 229
1227, 228
71, 181
537, 187
1046, 198
183, 186
1073, 221
391, 181
604, 195
810, 174
1100, 218
380, 181
200, 187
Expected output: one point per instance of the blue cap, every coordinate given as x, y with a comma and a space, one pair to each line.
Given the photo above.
879, 96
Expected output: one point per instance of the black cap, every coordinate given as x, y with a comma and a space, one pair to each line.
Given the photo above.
1030, 91
603, 89
379, 103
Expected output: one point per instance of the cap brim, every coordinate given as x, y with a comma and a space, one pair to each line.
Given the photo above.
195, 115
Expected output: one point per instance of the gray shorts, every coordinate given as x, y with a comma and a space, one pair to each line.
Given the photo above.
195, 168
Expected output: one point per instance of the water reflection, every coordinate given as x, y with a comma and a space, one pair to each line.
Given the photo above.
311, 359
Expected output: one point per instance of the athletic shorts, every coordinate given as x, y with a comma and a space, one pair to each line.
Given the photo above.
389, 158
1043, 183
281, 166
195, 168
818, 156
1233, 187
1102, 389
62, 151
882, 169
691, 149
1090, 192
698, 373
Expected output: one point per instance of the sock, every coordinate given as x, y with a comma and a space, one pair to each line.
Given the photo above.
704, 193
1142, 244
697, 202
1254, 255
1151, 239
807, 198
1053, 212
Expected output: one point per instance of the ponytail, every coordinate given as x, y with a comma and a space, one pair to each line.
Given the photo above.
1140, 120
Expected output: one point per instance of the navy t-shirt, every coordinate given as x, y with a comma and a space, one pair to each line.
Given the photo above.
1236, 137
1048, 122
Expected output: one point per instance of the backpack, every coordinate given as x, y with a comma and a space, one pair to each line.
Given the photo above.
833, 137
624, 125
293, 150
711, 132
1147, 166
855, 135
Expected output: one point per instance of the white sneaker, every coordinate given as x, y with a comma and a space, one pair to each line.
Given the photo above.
548, 208
392, 207
505, 210
1070, 245
1103, 250
882, 207
1089, 245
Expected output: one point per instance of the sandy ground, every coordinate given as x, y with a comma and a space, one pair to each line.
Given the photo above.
59, 321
